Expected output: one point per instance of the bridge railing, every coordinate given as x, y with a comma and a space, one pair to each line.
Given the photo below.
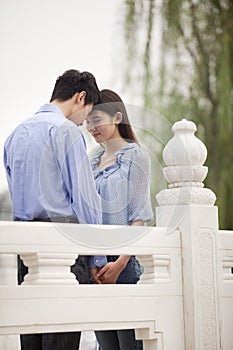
184, 299
51, 299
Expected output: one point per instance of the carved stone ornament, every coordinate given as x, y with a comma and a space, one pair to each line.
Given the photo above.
186, 196
184, 156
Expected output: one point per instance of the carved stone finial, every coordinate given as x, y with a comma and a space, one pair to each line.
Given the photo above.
184, 156
184, 149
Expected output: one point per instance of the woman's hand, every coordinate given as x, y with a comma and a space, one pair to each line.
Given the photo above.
111, 271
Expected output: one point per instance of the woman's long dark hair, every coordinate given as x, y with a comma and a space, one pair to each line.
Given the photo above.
111, 103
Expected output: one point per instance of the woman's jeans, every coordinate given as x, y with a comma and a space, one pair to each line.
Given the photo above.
122, 339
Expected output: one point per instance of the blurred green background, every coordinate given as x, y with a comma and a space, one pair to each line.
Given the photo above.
192, 77
176, 58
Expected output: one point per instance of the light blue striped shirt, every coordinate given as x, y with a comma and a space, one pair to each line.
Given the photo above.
48, 170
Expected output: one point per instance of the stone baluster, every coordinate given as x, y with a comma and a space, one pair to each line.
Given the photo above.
8, 277
189, 207
49, 268
156, 268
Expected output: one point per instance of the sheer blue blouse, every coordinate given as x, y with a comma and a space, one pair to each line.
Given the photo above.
124, 186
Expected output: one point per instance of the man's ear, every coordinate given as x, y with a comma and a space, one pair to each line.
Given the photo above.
81, 97
118, 117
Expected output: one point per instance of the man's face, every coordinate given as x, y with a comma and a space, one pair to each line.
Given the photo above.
80, 113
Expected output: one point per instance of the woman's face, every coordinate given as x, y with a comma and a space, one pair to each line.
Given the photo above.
102, 126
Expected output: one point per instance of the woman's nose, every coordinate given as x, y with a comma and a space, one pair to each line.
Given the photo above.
90, 126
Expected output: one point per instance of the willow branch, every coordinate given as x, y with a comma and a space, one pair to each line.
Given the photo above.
148, 46
203, 54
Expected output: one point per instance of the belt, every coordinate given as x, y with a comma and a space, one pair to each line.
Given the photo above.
68, 219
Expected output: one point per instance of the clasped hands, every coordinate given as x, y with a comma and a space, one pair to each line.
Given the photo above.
109, 273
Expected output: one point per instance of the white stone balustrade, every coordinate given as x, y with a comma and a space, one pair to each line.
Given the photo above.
8, 277
49, 302
188, 206
184, 299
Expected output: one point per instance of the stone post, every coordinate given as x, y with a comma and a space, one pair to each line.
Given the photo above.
189, 207
8, 277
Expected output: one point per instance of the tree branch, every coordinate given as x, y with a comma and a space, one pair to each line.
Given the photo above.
203, 54
147, 48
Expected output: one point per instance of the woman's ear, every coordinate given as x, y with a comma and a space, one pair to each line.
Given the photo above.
118, 117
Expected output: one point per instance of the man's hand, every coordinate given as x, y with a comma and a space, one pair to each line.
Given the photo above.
94, 275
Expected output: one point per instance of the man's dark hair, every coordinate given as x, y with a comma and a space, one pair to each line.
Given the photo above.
73, 81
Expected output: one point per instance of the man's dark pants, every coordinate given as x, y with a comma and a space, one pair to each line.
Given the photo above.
54, 341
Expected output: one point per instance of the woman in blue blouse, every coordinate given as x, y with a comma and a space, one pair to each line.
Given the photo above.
121, 171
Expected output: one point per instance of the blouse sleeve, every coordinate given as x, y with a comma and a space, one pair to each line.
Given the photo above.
139, 200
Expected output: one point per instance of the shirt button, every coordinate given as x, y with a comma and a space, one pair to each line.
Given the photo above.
97, 260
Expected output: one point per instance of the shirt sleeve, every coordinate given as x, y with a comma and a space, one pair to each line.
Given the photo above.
139, 201
78, 180
97, 260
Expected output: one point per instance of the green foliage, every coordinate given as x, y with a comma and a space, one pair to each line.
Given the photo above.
193, 78
5, 206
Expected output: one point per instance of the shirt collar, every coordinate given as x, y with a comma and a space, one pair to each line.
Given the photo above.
50, 107
125, 148
121, 151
